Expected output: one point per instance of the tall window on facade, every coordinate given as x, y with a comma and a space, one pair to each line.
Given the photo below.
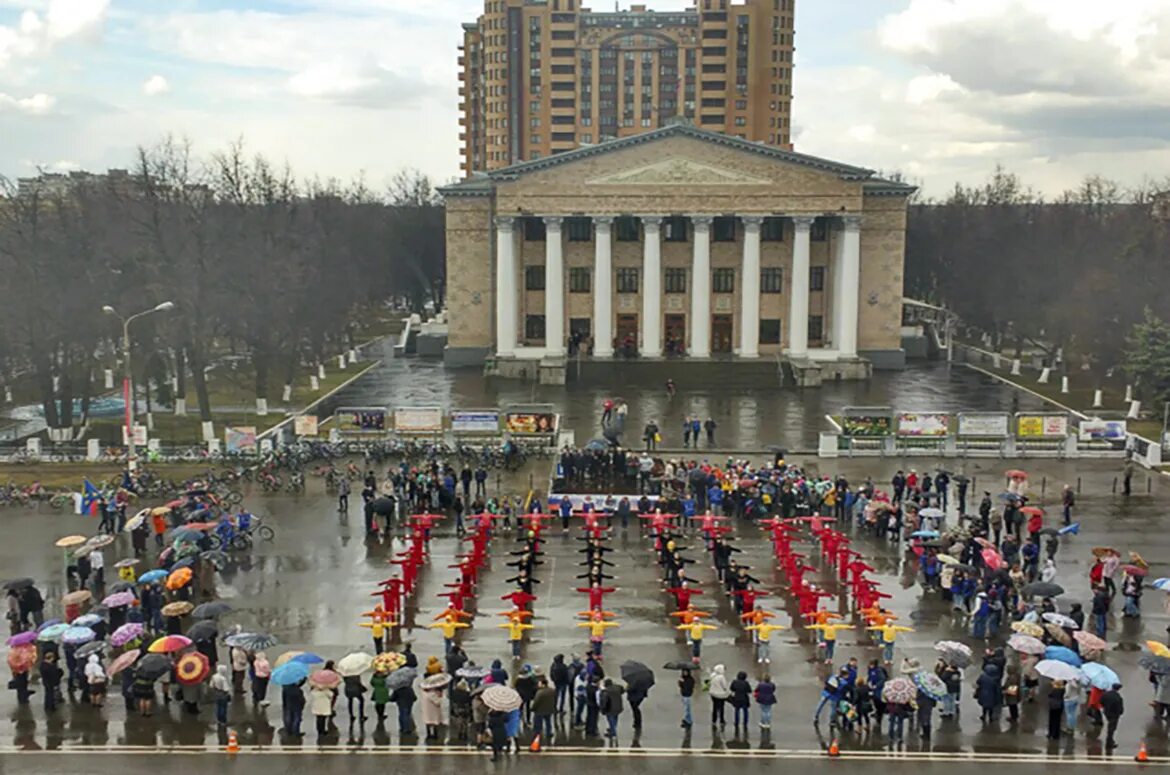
627, 280
816, 278
723, 281
769, 331
626, 228
819, 232
580, 279
674, 228
533, 327
675, 280
579, 229
534, 230
771, 279
772, 230
723, 229
534, 278
816, 328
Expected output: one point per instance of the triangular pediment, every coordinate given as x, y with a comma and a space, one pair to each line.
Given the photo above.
677, 172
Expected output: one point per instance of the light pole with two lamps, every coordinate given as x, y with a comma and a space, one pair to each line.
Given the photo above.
128, 375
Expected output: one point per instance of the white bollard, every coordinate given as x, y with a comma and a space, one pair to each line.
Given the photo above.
1135, 407
1128, 393
341, 362
213, 446
320, 371
1064, 384
286, 396
56, 383
93, 449
995, 360
314, 383
7, 395
150, 421
1044, 372
352, 355
1015, 367
208, 429
181, 407
1098, 399
109, 379
261, 406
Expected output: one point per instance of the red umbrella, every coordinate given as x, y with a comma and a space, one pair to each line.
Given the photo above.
1016, 474
1032, 511
1135, 570
992, 559
192, 668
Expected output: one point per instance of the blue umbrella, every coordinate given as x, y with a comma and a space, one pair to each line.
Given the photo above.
924, 534
53, 632
78, 635
1162, 584
1008, 496
1073, 529
1100, 676
1062, 654
152, 576
290, 673
308, 658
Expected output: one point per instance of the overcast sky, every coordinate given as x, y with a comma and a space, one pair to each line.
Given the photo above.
939, 89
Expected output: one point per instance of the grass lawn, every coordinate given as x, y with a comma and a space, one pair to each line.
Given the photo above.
55, 476
234, 388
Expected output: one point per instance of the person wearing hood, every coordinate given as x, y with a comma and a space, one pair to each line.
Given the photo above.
404, 698
561, 677
95, 679
525, 686
380, 694
741, 699
434, 666
432, 712
544, 705
292, 700
610, 703
321, 706
720, 691
355, 690
989, 692
498, 674
261, 671
411, 657
460, 699
221, 693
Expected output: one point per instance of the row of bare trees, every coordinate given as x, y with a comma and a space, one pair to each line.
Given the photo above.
1073, 274
250, 255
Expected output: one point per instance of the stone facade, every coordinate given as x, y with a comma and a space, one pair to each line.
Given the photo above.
681, 171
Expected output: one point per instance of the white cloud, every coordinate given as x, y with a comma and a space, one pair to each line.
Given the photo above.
352, 82
36, 105
37, 32
155, 85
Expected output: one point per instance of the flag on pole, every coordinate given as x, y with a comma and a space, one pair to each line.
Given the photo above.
90, 497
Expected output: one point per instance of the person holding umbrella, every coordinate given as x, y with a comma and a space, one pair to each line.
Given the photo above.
95, 679
51, 674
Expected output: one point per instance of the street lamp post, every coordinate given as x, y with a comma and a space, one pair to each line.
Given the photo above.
128, 375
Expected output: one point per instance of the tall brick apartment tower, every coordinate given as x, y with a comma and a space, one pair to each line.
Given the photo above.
540, 77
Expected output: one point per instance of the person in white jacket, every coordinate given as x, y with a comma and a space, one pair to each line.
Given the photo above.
719, 690
221, 692
95, 679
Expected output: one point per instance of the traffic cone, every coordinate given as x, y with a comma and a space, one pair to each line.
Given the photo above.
233, 744
535, 747
834, 750
1142, 755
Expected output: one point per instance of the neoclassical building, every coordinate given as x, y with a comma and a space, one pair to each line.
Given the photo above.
676, 242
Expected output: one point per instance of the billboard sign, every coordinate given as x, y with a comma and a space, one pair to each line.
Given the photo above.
471, 422
934, 425
985, 425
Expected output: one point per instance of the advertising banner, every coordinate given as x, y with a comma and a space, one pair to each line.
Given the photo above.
486, 421
530, 423
866, 425
989, 425
1039, 426
1103, 430
924, 424
305, 425
241, 439
418, 420
360, 420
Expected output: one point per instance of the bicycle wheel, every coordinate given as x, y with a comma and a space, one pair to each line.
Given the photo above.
242, 541
214, 541
266, 532
233, 497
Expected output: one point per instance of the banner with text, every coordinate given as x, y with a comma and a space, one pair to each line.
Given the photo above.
924, 424
472, 422
418, 420
1039, 426
984, 425
241, 439
1103, 430
369, 419
305, 425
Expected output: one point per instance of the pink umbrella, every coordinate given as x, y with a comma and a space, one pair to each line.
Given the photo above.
325, 678
126, 633
992, 559
23, 638
1135, 570
118, 599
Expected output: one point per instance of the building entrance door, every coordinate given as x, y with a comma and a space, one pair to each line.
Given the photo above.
676, 334
722, 329
627, 334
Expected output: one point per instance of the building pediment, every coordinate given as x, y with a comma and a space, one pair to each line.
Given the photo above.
677, 172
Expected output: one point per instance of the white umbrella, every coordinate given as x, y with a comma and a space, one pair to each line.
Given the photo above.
1059, 671
1060, 620
354, 664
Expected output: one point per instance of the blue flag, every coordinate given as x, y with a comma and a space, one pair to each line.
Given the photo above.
90, 495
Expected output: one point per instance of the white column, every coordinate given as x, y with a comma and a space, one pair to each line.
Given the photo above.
505, 286
749, 318
849, 298
651, 286
798, 300
554, 288
603, 286
701, 288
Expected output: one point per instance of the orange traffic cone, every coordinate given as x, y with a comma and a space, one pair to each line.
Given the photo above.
233, 744
834, 750
1142, 755
535, 747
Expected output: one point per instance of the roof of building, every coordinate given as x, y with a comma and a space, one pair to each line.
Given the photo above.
482, 183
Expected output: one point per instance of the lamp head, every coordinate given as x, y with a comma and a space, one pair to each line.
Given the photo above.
165, 306
108, 310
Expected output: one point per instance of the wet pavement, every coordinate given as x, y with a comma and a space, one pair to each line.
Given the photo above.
748, 418
309, 586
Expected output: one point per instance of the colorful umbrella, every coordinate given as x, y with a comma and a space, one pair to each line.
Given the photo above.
389, 661
1032, 511
135, 521
70, 541
290, 673
21, 658
1105, 551
930, 685
285, 658
1028, 628
177, 608
1058, 633
152, 576
1058, 670
354, 664
192, 668
1089, 642
899, 690
53, 632
119, 599
1100, 676
123, 661
23, 638
992, 559
506, 699
179, 579
1158, 649
326, 678
251, 641
308, 658
1162, 584
126, 633
1062, 654
169, 644
75, 636
1026, 644
1016, 473
436, 681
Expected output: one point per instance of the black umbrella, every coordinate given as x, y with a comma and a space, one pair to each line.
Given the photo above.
1049, 531
382, 506
203, 631
1158, 665
403, 676
637, 676
152, 667
680, 666
1043, 589
211, 610
960, 478
19, 584
184, 562
122, 586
